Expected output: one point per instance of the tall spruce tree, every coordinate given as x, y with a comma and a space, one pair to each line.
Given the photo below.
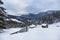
2, 12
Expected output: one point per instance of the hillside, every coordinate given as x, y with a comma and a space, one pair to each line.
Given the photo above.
49, 17
38, 33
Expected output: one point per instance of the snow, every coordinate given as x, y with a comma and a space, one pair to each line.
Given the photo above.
14, 20
38, 33
44, 24
7, 19
32, 25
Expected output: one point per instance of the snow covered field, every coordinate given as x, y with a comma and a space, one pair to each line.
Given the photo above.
38, 33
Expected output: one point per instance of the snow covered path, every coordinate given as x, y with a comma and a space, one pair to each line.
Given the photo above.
38, 33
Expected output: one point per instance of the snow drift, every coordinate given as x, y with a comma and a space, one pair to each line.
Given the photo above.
38, 33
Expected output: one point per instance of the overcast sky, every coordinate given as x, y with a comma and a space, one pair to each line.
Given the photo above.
19, 7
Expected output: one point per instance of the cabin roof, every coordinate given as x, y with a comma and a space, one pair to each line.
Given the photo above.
44, 24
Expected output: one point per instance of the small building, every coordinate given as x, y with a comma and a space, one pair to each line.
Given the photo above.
44, 25
32, 26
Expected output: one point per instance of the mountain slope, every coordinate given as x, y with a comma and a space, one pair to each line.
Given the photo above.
49, 17
38, 33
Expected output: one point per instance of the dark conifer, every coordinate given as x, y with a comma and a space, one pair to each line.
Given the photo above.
2, 12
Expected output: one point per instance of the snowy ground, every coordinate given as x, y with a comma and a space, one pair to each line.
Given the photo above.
38, 33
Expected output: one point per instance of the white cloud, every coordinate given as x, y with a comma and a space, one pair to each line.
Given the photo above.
11, 12
44, 5
18, 5
25, 6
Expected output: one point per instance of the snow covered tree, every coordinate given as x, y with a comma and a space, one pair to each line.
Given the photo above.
2, 12
1, 2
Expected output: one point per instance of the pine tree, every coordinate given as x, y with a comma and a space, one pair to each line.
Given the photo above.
1, 2
2, 12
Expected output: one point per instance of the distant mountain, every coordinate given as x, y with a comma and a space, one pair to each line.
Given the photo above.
30, 15
34, 16
49, 17
20, 18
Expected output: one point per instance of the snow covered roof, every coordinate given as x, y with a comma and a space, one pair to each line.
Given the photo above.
32, 25
44, 24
